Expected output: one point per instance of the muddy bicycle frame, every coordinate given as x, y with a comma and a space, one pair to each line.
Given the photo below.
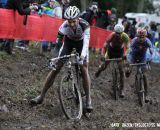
115, 75
140, 81
69, 89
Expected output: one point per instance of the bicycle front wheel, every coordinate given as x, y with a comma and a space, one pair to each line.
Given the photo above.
70, 98
140, 90
114, 85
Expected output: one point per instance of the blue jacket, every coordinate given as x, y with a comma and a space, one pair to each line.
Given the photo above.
139, 49
3, 3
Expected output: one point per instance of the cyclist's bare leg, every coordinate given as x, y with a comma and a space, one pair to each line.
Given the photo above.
48, 83
87, 86
121, 79
101, 68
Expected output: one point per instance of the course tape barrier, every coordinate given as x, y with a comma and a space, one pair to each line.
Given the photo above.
40, 28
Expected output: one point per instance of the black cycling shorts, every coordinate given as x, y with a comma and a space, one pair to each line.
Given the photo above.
115, 53
68, 46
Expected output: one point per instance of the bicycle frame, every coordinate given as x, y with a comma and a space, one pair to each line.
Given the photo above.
75, 64
115, 76
140, 81
114, 62
69, 63
139, 68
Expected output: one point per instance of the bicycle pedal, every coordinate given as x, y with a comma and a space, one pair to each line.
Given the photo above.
86, 115
147, 101
66, 79
141, 91
132, 85
87, 110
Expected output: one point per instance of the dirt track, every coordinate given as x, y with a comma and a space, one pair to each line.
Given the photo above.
22, 77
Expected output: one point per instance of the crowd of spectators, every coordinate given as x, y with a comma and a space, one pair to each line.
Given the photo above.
105, 19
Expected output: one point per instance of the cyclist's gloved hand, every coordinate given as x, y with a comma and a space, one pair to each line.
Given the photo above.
51, 65
58, 44
81, 60
149, 60
124, 57
40, 12
102, 58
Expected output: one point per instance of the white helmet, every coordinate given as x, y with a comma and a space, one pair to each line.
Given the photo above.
72, 12
93, 7
118, 28
65, 2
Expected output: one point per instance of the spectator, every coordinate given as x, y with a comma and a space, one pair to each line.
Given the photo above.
152, 32
52, 8
102, 22
127, 25
23, 8
23, 44
133, 29
90, 14
102, 19
3, 3
147, 29
65, 5
158, 31
112, 14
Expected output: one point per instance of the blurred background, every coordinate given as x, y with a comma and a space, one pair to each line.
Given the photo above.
123, 6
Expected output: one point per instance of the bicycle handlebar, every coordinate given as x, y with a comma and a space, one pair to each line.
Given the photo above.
114, 59
62, 57
139, 64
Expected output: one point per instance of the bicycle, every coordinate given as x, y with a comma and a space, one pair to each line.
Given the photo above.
140, 81
115, 76
69, 91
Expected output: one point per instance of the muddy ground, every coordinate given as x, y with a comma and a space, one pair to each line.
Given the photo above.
22, 76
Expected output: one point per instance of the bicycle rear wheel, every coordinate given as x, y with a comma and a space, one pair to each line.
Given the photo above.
70, 98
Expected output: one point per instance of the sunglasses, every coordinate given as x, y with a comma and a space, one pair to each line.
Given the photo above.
118, 33
51, 1
141, 37
71, 21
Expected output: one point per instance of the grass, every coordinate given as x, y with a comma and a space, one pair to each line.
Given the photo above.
4, 56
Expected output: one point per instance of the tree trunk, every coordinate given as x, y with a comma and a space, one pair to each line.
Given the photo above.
140, 6
84, 4
120, 7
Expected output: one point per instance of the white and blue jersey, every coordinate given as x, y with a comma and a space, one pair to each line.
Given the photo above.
80, 34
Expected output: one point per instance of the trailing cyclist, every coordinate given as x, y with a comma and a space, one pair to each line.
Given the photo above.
137, 53
114, 47
76, 34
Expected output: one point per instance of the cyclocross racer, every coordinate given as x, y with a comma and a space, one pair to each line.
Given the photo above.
137, 53
114, 47
76, 34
